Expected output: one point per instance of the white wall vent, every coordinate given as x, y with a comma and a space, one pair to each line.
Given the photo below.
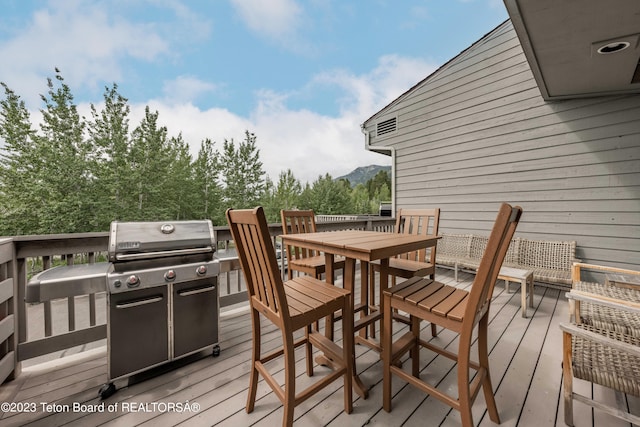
387, 126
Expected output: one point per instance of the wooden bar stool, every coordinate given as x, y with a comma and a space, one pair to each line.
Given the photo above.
417, 263
292, 305
301, 259
455, 309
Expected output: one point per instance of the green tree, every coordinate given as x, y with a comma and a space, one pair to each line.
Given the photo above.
242, 173
149, 160
284, 195
288, 190
330, 197
383, 194
109, 132
64, 177
180, 187
360, 199
269, 201
206, 169
19, 161
375, 183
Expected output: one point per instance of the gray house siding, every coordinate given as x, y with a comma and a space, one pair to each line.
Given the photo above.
477, 132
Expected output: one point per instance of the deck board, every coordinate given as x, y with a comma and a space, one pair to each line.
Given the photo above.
525, 357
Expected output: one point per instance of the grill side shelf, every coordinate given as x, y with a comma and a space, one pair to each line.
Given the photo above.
67, 280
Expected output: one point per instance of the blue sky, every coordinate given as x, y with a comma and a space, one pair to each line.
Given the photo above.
302, 75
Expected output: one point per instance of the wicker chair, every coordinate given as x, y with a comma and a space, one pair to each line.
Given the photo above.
602, 346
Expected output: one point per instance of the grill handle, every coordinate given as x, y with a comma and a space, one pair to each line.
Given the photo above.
161, 254
187, 293
139, 303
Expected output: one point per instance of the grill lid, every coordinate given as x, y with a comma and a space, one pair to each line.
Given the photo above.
145, 240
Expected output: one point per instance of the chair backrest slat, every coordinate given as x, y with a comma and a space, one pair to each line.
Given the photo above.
491, 262
296, 222
423, 222
258, 261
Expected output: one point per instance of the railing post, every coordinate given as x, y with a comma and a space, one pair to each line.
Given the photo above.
18, 321
9, 366
20, 281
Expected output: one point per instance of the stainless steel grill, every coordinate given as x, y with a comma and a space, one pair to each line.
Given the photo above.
161, 283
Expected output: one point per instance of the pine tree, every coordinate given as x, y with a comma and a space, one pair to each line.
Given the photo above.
242, 173
206, 170
64, 176
149, 160
180, 187
109, 132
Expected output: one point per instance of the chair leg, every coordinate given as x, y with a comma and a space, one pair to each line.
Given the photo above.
415, 350
348, 354
464, 389
567, 379
289, 380
483, 358
372, 297
255, 357
387, 333
434, 332
309, 350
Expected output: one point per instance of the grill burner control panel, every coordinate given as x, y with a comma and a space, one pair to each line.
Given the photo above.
158, 276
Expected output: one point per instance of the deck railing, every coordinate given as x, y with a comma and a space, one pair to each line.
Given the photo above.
8, 319
29, 330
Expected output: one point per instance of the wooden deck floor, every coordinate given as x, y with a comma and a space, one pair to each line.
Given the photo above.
525, 357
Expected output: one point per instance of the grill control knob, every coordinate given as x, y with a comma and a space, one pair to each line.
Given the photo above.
133, 281
202, 270
117, 283
170, 275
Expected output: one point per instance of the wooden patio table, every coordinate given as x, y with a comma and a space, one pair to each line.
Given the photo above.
364, 246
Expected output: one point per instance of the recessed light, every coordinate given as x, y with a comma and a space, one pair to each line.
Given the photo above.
613, 47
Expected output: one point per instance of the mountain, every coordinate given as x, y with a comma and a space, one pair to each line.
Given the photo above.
363, 174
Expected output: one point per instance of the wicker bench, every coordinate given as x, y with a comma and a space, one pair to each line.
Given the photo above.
550, 261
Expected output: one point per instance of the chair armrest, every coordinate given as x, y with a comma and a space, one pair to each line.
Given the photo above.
589, 334
604, 300
577, 266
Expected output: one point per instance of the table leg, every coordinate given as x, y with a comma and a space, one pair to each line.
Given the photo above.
523, 296
530, 281
365, 297
384, 284
348, 284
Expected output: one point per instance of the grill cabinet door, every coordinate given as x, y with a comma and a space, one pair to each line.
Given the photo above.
195, 315
138, 330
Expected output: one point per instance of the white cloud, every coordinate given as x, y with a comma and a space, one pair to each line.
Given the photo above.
90, 43
83, 41
186, 89
273, 18
308, 143
278, 21
365, 94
